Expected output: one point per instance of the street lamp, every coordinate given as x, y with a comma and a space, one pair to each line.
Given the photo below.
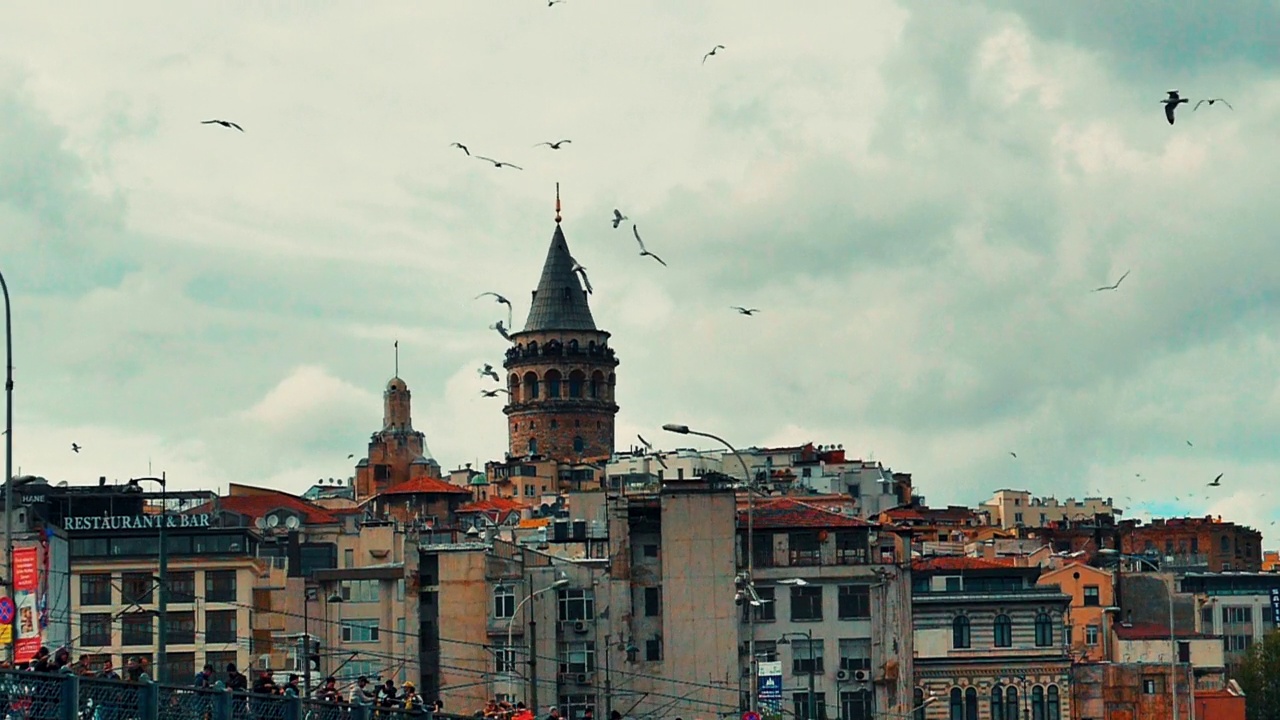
8, 447
309, 595
1173, 638
162, 586
678, 429
813, 669
560, 582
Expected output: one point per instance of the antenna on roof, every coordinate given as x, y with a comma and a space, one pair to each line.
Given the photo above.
557, 203
397, 346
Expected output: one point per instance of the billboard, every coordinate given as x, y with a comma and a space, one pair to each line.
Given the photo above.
27, 625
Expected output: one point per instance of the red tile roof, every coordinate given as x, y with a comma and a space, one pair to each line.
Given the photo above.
498, 504
787, 512
264, 500
425, 485
944, 563
1153, 631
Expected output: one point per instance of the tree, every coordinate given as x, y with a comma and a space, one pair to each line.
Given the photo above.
1259, 677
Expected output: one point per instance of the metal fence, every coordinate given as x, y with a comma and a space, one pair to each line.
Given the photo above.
35, 696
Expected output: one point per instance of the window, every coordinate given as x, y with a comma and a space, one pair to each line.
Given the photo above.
1236, 643
855, 705
533, 446
136, 628
1044, 630
359, 591
353, 669
1003, 631
653, 649
220, 626
359, 631
1150, 686
804, 710
855, 654
220, 586
851, 547
348, 558
553, 383
767, 650
806, 657
504, 602
579, 445
970, 704
95, 629
220, 659
1053, 708
918, 704
766, 611
577, 605
575, 383
95, 589
957, 704
136, 588
652, 602
1011, 707
181, 665
182, 588
1184, 651
960, 633
853, 602
1225, 542
504, 658
575, 707
1092, 598
1037, 703
805, 547
1091, 635
806, 602
997, 704
180, 628
1067, 635
1237, 614
578, 656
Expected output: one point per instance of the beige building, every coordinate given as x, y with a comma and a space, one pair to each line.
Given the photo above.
1017, 508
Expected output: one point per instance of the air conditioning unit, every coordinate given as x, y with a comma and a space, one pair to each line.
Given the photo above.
583, 679
842, 675
580, 626
861, 675
264, 662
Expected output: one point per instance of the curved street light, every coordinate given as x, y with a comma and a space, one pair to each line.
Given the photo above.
8, 447
560, 582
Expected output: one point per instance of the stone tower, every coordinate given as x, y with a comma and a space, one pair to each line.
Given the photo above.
397, 453
560, 370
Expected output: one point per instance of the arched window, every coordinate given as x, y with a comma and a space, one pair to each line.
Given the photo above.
579, 444
918, 704
553, 383
533, 347
971, 704
1011, 711
1037, 703
576, 379
960, 632
597, 384
530, 386
1054, 711
1044, 629
573, 347
997, 703
513, 385
533, 446
1226, 543
613, 381
1003, 631
957, 704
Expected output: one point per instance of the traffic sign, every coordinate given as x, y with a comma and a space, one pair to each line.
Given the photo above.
7, 611
750, 715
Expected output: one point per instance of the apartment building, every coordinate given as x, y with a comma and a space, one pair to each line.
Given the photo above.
1019, 508
1241, 608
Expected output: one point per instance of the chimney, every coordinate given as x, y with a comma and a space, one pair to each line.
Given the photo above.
102, 481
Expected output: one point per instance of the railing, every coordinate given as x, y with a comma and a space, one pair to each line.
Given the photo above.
36, 696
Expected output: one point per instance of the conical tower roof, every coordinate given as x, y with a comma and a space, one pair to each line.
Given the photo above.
560, 302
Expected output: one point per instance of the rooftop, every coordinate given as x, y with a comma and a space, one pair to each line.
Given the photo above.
423, 486
955, 563
263, 500
812, 512
1154, 631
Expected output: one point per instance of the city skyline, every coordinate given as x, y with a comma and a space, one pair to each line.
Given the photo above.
919, 198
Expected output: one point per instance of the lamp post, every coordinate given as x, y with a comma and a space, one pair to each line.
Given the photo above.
334, 598
8, 447
752, 700
808, 636
308, 595
1173, 638
511, 624
162, 574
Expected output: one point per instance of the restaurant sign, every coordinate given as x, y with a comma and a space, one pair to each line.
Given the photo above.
138, 522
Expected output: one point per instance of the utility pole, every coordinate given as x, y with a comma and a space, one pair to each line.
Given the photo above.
8, 451
162, 602
608, 677
533, 665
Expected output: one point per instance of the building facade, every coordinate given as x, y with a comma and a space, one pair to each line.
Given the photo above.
1019, 508
1206, 544
1238, 607
1093, 607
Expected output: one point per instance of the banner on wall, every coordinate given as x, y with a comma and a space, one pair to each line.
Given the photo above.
26, 584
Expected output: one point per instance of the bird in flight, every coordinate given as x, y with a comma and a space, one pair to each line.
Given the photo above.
618, 217
488, 370
502, 300
643, 250
1171, 103
1189, 444
1211, 101
1217, 481
494, 393
224, 123
75, 448
582, 273
350, 455
554, 145
501, 330
553, 2
745, 311
1013, 454
649, 446
1113, 287
462, 147
713, 52
496, 163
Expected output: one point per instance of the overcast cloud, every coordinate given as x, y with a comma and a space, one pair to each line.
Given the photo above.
919, 196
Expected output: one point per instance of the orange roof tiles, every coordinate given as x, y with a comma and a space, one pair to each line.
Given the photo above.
264, 501
499, 504
425, 485
943, 563
786, 512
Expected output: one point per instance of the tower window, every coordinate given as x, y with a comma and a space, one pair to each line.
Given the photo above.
555, 424
530, 386
576, 380
553, 383
597, 384
578, 444
533, 446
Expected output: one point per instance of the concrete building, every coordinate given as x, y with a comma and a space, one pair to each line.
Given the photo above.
1238, 607
1092, 609
1018, 508
989, 642
1206, 544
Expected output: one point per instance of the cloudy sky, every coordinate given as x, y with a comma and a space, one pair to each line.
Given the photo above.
920, 198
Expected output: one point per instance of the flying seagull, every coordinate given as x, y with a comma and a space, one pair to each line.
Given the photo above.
1211, 101
1171, 103
462, 147
647, 445
501, 330
488, 370
496, 163
1014, 454
350, 455
745, 311
618, 217
713, 52
553, 2
1189, 444
643, 251
223, 123
502, 300
582, 273
1217, 481
494, 393
1113, 287
75, 448
554, 145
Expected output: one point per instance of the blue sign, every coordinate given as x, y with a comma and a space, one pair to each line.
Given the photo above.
770, 687
1275, 606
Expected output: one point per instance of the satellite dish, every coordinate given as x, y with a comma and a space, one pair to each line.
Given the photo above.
273, 521
63, 483
260, 523
291, 522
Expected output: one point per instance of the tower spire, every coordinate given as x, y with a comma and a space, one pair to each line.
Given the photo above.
397, 346
557, 203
